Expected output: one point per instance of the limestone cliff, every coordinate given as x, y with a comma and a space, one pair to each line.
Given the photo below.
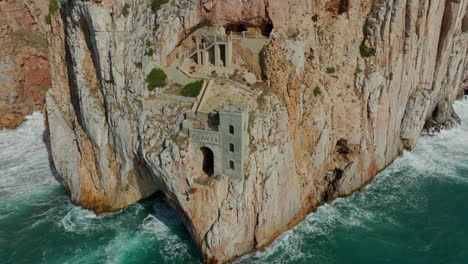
24, 67
347, 85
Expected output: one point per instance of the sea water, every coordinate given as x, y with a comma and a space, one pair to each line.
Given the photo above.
416, 211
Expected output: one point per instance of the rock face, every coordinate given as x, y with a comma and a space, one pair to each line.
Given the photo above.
315, 133
24, 67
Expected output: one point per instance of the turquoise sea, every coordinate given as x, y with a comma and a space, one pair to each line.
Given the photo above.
416, 211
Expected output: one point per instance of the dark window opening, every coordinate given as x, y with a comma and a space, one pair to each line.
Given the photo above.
208, 161
235, 28
231, 147
222, 49
231, 130
231, 165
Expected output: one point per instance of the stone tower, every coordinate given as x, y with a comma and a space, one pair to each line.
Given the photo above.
233, 124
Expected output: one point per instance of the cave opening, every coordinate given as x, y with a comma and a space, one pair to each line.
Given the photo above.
266, 29
235, 28
208, 161
338, 7
466, 91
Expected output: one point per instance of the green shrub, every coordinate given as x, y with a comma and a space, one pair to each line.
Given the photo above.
149, 43
192, 89
156, 4
156, 78
125, 10
54, 7
331, 70
390, 76
366, 51
139, 65
317, 91
149, 52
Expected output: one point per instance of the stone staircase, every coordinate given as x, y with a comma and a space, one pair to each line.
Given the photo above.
176, 76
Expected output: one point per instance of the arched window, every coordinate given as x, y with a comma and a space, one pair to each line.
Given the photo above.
231, 130
231, 147
231, 165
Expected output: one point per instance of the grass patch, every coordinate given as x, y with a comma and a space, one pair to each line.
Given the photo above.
156, 78
331, 70
156, 4
317, 91
366, 51
192, 89
125, 10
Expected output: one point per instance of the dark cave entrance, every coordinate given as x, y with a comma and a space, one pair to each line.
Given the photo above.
208, 160
267, 29
235, 28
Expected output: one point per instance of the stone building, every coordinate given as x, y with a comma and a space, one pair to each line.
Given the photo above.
222, 141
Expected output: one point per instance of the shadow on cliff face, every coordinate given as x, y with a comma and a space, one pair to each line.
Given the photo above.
46, 140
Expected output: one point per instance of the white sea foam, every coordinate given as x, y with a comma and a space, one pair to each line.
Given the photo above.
160, 225
23, 160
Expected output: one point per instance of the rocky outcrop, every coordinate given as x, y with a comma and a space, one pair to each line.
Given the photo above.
24, 67
351, 84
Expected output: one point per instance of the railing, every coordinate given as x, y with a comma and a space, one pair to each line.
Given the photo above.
202, 47
247, 34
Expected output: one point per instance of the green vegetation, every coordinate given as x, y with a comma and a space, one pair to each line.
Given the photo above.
192, 89
366, 51
390, 76
139, 65
317, 91
331, 70
156, 4
149, 43
156, 78
149, 52
125, 10
365, 28
45, 88
54, 7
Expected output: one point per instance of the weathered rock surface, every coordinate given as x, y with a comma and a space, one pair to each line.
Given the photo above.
314, 134
24, 67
